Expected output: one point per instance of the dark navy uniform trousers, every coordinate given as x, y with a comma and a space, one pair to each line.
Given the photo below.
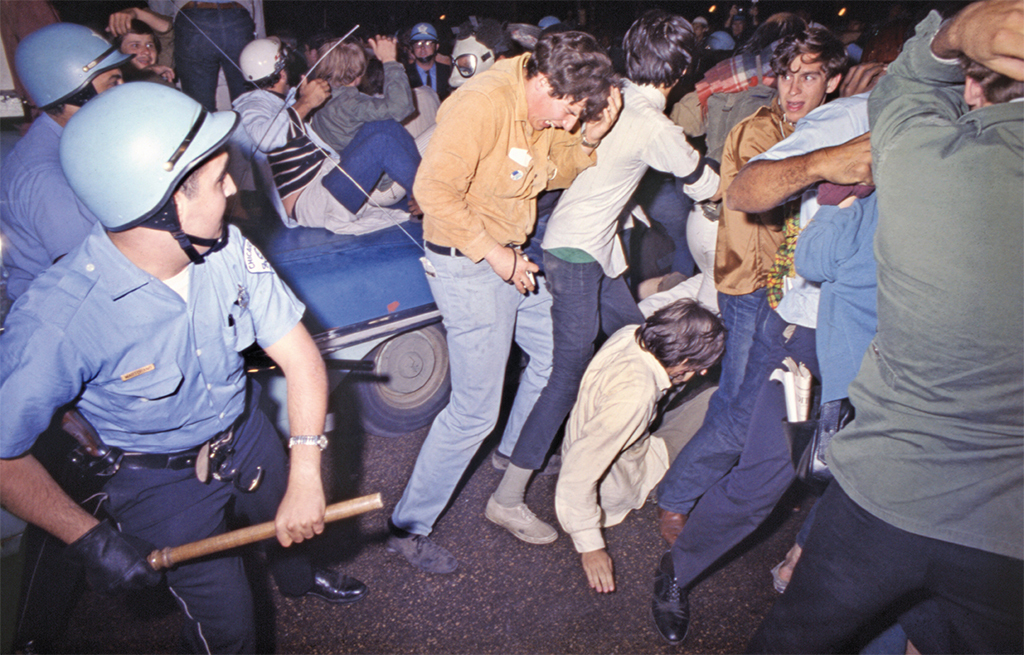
170, 508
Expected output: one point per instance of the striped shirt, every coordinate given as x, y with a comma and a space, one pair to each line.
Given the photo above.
295, 164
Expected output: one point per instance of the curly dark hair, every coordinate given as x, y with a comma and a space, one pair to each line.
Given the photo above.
817, 42
138, 27
684, 331
658, 48
576, 67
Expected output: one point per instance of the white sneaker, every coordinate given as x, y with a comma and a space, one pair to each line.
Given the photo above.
521, 522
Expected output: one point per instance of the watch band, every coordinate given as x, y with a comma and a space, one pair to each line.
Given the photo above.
308, 440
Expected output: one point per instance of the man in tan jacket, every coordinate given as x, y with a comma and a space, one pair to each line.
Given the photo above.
507, 135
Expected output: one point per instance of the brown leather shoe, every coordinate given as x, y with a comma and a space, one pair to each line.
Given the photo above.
671, 525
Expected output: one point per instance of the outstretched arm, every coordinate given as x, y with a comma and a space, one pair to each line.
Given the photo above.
762, 185
592, 446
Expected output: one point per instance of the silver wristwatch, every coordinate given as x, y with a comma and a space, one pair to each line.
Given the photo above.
308, 440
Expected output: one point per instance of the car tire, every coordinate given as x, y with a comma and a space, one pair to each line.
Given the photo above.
411, 383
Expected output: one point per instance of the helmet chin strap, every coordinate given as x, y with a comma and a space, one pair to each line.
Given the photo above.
84, 95
166, 219
188, 243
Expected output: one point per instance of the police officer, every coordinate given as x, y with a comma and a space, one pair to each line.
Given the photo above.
143, 326
62, 67
425, 70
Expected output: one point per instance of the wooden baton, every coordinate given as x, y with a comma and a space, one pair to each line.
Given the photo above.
167, 557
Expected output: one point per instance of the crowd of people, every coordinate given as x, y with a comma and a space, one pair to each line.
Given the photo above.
815, 187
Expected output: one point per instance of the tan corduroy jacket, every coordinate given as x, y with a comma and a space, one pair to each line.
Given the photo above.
485, 165
747, 243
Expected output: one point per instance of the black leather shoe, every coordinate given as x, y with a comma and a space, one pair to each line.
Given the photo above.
336, 588
670, 605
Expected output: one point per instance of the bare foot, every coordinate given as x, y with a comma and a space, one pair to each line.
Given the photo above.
792, 557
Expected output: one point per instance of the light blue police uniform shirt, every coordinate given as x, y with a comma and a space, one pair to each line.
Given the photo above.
40, 217
152, 373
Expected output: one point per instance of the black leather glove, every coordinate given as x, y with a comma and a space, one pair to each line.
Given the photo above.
113, 561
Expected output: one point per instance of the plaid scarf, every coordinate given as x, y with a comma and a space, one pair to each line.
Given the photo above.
736, 74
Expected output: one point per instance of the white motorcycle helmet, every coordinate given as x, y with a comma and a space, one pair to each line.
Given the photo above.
262, 60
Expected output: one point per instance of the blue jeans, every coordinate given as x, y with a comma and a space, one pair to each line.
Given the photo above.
378, 147
716, 446
198, 33
482, 315
584, 300
737, 504
856, 567
664, 202
546, 203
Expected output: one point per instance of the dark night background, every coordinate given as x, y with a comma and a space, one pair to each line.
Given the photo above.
303, 17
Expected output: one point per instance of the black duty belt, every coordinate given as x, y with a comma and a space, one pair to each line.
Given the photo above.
174, 461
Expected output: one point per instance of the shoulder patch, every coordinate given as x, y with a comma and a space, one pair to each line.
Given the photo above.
255, 262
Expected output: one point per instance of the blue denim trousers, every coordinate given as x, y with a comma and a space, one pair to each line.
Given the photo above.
206, 40
738, 502
717, 445
546, 203
856, 567
378, 147
584, 301
664, 201
482, 315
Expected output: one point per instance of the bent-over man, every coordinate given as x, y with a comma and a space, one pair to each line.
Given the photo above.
507, 135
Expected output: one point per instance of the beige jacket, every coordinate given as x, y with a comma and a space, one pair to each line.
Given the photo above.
610, 462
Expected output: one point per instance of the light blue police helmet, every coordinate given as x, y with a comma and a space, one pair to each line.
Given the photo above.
721, 41
548, 21
126, 151
58, 61
423, 32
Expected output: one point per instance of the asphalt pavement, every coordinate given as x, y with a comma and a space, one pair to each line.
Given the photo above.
506, 596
